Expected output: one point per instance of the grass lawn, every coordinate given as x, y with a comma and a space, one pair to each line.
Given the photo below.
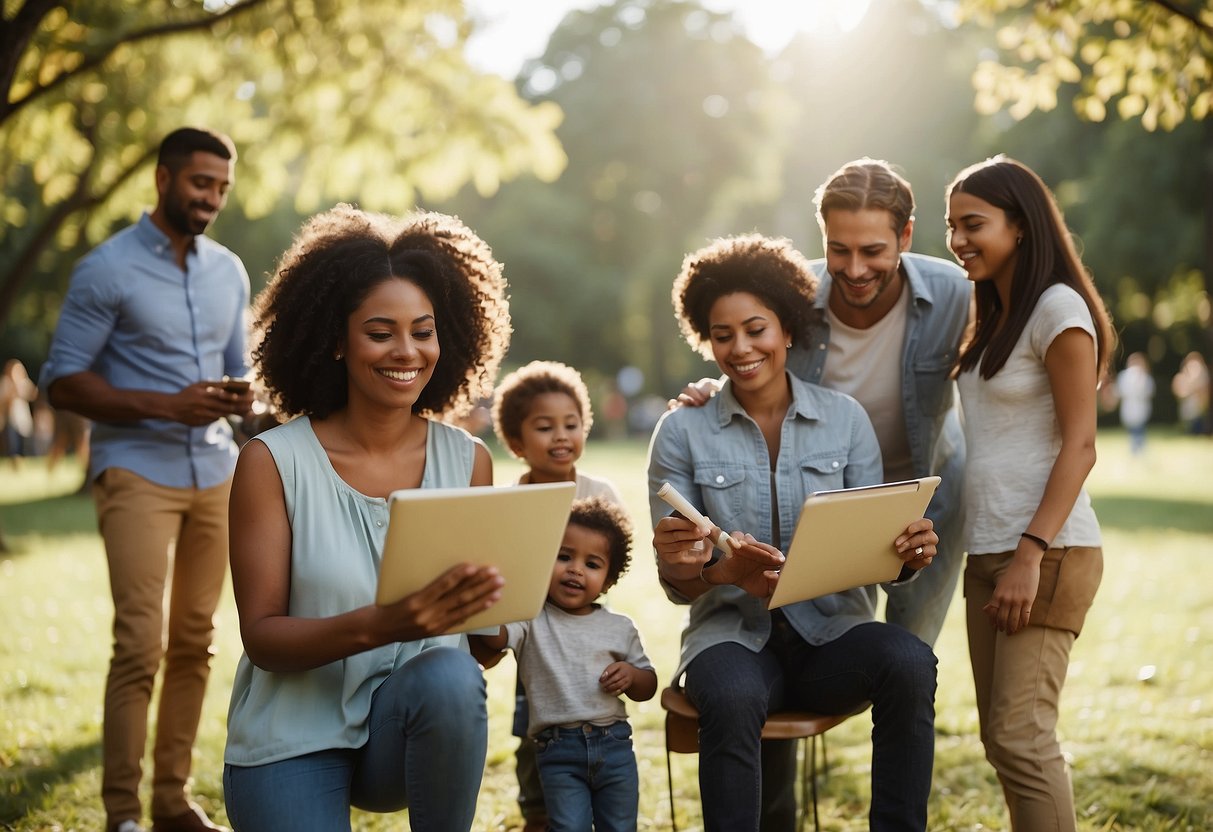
1137, 716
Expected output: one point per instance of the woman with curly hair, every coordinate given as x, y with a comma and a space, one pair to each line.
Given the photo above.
748, 459
372, 330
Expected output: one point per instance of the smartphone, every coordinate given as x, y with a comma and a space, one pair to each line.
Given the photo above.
235, 385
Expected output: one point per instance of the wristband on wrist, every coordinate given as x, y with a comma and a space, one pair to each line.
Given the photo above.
1039, 541
703, 577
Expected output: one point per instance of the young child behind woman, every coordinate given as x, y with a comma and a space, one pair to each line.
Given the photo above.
575, 659
1027, 381
541, 412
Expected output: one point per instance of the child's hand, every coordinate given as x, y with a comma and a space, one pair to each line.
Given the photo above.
617, 678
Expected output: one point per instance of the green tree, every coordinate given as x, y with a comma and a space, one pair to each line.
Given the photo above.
326, 100
1153, 60
674, 130
1146, 60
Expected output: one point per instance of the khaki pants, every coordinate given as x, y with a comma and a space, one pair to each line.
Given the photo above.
157, 537
1019, 680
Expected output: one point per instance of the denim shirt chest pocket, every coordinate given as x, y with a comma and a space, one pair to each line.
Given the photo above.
823, 470
727, 492
933, 384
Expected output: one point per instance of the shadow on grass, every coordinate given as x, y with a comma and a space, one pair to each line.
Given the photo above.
22, 787
50, 516
1149, 513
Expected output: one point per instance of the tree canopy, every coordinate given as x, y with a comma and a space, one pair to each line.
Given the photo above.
326, 100
1151, 60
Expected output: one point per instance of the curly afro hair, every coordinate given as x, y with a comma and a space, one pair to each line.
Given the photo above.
766, 267
518, 391
610, 520
337, 258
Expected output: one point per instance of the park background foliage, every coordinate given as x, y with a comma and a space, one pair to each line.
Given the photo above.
645, 128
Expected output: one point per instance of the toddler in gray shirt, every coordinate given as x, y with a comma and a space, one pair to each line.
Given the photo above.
575, 659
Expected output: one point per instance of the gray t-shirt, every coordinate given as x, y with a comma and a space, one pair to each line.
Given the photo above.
560, 658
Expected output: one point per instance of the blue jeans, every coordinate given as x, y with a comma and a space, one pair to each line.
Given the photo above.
589, 777
734, 688
428, 737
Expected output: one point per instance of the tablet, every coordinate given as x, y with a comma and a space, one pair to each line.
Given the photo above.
516, 528
844, 538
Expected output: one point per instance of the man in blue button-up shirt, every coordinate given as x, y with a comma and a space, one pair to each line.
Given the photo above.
153, 320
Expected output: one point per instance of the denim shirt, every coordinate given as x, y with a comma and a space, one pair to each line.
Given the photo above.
939, 312
717, 458
135, 318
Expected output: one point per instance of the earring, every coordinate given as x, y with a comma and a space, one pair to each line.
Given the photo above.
337, 356
788, 345
1019, 240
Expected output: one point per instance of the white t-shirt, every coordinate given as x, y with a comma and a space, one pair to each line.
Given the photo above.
1136, 388
866, 365
1013, 438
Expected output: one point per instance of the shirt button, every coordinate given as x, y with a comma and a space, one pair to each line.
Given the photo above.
378, 522
834, 464
719, 479
821, 346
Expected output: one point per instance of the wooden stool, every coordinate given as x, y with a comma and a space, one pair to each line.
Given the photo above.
682, 737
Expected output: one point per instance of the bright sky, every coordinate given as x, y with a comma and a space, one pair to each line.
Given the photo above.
514, 30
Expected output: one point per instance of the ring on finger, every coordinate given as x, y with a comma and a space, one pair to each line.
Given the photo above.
918, 551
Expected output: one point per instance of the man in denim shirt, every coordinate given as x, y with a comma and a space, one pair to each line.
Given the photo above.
154, 318
886, 330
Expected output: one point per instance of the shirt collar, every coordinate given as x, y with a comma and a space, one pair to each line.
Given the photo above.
803, 403
155, 239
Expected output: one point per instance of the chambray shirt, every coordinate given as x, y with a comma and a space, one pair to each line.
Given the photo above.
716, 457
134, 317
938, 314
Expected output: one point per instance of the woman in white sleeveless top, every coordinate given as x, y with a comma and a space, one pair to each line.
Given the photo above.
1027, 381
373, 328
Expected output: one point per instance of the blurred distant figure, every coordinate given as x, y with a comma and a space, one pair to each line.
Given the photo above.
1191, 389
16, 417
1135, 386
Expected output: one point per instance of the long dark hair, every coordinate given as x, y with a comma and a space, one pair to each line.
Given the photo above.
1046, 256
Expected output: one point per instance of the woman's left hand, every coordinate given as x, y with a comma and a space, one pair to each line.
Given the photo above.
1010, 607
916, 545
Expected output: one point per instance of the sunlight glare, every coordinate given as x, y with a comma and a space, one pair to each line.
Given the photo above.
772, 23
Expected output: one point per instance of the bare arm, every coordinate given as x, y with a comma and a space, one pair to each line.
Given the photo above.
90, 395
1070, 364
261, 565
487, 650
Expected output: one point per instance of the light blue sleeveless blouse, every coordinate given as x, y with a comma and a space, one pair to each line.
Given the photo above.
337, 537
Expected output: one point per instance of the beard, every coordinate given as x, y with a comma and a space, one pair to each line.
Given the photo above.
177, 214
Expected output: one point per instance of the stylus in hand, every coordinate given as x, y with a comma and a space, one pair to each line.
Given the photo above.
670, 494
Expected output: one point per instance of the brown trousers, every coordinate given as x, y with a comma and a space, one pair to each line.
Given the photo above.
156, 538
1019, 680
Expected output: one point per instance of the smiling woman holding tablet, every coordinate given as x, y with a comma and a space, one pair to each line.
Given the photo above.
371, 327
748, 459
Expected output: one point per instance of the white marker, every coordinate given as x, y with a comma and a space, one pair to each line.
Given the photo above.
670, 494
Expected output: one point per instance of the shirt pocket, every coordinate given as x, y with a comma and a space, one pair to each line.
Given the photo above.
933, 385
824, 471
726, 491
